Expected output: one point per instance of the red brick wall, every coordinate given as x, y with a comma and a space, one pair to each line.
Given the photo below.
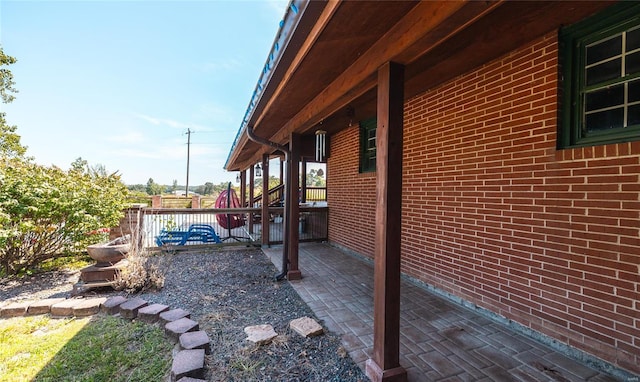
496, 215
350, 195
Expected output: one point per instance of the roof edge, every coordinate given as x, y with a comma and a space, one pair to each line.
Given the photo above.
287, 28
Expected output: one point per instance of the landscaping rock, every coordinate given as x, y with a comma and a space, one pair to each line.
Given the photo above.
188, 363
174, 329
306, 327
88, 307
189, 379
64, 308
112, 305
173, 315
43, 306
260, 334
150, 314
15, 309
130, 308
196, 340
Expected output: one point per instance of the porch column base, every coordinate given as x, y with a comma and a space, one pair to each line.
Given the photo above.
376, 374
294, 275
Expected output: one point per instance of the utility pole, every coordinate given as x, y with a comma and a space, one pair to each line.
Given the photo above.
186, 194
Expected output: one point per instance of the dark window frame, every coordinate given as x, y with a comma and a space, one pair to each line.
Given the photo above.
367, 162
574, 42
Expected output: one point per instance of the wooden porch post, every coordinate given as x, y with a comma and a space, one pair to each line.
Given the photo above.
385, 362
252, 183
292, 196
243, 187
265, 200
303, 185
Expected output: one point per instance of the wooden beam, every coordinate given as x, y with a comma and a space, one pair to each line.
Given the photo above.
292, 196
265, 200
384, 366
424, 28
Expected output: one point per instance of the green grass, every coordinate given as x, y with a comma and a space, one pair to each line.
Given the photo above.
90, 349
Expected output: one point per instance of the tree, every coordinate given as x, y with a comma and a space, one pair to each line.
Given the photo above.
208, 188
153, 188
6, 78
315, 178
10, 145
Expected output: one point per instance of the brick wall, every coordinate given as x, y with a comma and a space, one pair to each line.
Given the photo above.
350, 195
496, 215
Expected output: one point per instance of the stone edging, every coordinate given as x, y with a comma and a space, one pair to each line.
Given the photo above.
188, 362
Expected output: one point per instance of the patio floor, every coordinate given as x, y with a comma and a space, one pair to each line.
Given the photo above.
440, 340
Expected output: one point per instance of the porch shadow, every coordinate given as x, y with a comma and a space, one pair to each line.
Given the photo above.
440, 340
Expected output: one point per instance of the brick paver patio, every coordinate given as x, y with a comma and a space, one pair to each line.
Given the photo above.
440, 340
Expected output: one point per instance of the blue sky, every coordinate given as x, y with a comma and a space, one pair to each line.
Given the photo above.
118, 83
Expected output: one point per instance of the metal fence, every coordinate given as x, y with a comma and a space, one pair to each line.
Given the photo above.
179, 227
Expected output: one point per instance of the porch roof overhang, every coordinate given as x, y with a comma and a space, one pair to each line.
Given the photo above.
326, 56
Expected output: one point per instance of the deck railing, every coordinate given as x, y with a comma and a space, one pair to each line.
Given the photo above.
162, 222
316, 194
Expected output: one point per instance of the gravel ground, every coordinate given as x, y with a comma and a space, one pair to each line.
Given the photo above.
225, 291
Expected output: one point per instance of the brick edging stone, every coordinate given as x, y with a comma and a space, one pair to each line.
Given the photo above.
188, 362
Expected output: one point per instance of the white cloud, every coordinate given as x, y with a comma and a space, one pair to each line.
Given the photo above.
172, 123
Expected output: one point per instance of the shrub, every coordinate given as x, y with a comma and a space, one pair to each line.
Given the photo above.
47, 212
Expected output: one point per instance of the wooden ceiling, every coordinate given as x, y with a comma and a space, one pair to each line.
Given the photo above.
332, 64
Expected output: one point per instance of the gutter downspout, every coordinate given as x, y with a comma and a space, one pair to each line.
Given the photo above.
287, 207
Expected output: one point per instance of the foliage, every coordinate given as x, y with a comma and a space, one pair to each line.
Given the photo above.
89, 349
9, 141
315, 178
6, 78
46, 212
154, 188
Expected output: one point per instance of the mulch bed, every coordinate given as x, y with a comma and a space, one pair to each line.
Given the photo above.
225, 291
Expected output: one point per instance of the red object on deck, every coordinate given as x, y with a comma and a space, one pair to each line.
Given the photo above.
229, 199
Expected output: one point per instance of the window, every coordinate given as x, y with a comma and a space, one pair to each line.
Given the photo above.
368, 145
601, 78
